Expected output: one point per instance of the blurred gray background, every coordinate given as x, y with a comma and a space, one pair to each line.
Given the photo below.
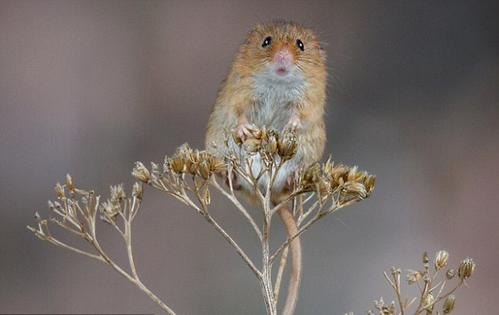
90, 87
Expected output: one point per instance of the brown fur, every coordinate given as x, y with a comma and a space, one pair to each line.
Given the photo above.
236, 92
237, 95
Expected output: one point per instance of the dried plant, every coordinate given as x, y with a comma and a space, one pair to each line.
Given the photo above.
191, 176
431, 281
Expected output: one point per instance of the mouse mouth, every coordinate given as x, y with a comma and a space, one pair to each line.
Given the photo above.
281, 71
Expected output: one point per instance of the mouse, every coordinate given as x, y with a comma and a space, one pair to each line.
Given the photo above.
277, 81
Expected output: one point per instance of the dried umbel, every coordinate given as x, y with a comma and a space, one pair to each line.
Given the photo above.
431, 285
353, 180
269, 144
191, 176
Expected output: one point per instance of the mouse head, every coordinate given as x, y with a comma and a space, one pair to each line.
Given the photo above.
281, 49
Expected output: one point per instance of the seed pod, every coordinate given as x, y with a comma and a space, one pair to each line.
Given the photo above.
441, 259
413, 276
69, 182
271, 144
466, 268
369, 183
141, 172
204, 169
117, 193
59, 190
216, 165
426, 258
287, 146
252, 145
137, 190
428, 303
192, 162
449, 304
450, 274
177, 165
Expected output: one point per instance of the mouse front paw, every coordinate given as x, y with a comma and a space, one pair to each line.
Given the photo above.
294, 124
245, 130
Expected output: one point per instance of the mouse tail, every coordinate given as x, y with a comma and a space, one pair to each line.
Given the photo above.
296, 261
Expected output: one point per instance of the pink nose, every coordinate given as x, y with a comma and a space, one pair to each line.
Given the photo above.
283, 57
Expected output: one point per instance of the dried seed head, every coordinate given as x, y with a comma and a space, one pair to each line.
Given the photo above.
109, 210
177, 164
311, 176
287, 146
450, 274
117, 193
69, 182
155, 170
137, 190
141, 173
216, 165
59, 190
449, 304
237, 139
184, 150
426, 258
369, 183
356, 189
328, 167
252, 145
466, 268
353, 174
204, 169
192, 161
413, 276
428, 301
259, 133
441, 259
339, 174
270, 145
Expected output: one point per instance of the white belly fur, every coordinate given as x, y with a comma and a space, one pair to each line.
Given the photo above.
275, 104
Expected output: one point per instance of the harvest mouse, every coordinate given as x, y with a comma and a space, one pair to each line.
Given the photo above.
277, 81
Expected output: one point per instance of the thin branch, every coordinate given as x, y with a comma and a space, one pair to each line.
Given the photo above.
305, 227
239, 206
226, 235
74, 249
133, 280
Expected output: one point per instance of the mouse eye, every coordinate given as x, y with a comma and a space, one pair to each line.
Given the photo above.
300, 45
267, 41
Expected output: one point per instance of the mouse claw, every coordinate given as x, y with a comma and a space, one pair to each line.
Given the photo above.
245, 130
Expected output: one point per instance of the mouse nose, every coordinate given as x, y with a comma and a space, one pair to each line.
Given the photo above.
283, 57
